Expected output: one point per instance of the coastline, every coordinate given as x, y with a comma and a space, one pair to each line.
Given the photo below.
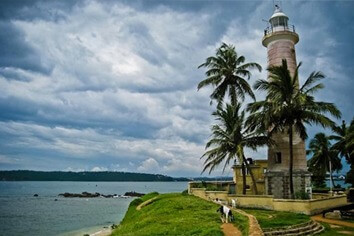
103, 232
91, 215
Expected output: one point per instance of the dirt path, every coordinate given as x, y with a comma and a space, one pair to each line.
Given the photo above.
254, 228
230, 230
332, 221
147, 202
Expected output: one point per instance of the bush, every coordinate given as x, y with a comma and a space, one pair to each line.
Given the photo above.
198, 185
318, 181
212, 188
136, 202
185, 192
149, 196
350, 176
209, 186
302, 195
215, 188
114, 226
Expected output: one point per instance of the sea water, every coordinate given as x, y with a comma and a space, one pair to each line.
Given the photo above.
336, 182
23, 214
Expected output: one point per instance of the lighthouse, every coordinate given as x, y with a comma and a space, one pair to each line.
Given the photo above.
280, 39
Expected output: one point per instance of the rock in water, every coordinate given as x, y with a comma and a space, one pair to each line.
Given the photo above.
35, 195
134, 194
87, 195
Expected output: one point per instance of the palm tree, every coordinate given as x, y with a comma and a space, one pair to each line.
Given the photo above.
324, 158
229, 139
288, 107
227, 72
344, 145
344, 137
350, 140
318, 176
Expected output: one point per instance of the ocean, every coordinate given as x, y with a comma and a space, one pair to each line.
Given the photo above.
336, 182
23, 214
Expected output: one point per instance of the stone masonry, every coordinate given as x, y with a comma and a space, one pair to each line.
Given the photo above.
277, 183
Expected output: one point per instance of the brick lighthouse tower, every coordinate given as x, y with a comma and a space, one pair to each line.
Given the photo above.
280, 39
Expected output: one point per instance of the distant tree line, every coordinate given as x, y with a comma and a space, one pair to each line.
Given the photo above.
28, 175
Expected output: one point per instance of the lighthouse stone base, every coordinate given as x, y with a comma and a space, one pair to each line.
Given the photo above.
277, 183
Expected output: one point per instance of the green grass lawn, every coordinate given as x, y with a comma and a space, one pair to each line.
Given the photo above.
174, 214
274, 219
340, 230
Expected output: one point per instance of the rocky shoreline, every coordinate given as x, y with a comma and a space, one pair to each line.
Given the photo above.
95, 195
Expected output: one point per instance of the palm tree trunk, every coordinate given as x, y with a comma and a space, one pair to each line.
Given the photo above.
291, 160
349, 158
252, 176
333, 184
330, 175
243, 178
233, 97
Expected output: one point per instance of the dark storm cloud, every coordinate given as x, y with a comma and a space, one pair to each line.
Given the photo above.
15, 52
111, 85
35, 9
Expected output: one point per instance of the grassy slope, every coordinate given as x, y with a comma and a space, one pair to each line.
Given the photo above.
173, 214
273, 219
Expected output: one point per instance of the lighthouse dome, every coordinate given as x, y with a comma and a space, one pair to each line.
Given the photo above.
278, 21
279, 14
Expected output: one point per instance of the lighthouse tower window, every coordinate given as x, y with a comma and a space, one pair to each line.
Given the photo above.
277, 157
283, 21
279, 21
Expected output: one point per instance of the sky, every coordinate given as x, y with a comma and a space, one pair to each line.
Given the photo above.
112, 85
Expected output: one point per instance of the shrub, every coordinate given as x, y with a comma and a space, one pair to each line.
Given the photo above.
212, 188
197, 185
215, 188
149, 196
302, 195
136, 202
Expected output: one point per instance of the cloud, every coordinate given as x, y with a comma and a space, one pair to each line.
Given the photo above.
74, 169
98, 168
91, 84
149, 165
7, 160
16, 52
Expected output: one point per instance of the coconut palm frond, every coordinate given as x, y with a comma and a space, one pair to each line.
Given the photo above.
228, 72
